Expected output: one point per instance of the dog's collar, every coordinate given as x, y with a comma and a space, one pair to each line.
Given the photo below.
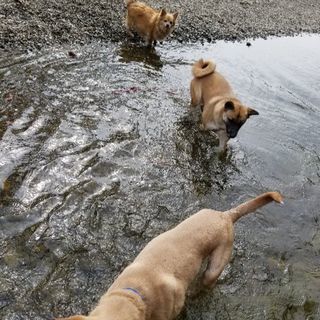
135, 291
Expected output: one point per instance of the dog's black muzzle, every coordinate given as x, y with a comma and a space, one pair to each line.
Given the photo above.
232, 128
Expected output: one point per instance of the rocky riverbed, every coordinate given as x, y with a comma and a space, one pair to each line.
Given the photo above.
39, 23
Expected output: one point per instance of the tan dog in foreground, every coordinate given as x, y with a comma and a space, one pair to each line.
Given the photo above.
154, 286
222, 112
150, 24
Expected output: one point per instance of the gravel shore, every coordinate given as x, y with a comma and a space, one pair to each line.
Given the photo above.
39, 23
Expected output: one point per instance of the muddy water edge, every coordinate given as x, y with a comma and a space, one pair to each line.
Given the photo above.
100, 152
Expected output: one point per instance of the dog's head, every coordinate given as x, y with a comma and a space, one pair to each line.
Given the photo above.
235, 115
167, 21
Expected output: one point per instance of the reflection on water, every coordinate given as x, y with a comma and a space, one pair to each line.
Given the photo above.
129, 53
208, 170
100, 152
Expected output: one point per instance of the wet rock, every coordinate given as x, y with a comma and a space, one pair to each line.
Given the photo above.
72, 54
261, 276
286, 275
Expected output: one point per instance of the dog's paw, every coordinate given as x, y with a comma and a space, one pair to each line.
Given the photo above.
221, 153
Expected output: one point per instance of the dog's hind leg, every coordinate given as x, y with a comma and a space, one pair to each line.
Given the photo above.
128, 28
218, 260
130, 33
195, 92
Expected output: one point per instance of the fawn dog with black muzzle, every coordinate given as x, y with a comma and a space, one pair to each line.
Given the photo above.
222, 112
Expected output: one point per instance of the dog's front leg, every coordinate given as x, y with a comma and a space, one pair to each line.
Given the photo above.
223, 139
149, 41
218, 260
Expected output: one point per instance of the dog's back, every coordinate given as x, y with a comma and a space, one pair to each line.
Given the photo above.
140, 17
207, 83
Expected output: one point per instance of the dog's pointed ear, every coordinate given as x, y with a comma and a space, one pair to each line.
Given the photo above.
229, 106
252, 112
163, 12
175, 15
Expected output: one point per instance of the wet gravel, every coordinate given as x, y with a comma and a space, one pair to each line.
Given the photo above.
39, 23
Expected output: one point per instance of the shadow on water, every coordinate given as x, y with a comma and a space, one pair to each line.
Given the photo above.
129, 53
99, 153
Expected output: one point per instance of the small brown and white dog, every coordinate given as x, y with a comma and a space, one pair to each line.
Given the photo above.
154, 286
222, 112
150, 24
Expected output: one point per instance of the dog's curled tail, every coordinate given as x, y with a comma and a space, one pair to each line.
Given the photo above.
128, 2
203, 68
254, 204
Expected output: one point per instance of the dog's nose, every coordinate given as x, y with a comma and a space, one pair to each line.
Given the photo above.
232, 133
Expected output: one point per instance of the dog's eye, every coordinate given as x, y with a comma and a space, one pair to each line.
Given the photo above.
165, 20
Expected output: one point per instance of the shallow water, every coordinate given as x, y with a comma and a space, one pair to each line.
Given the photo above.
100, 152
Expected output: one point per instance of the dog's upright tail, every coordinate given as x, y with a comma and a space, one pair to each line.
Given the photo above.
128, 2
203, 68
254, 204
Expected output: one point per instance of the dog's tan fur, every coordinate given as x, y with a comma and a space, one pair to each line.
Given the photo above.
163, 270
150, 24
222, 111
